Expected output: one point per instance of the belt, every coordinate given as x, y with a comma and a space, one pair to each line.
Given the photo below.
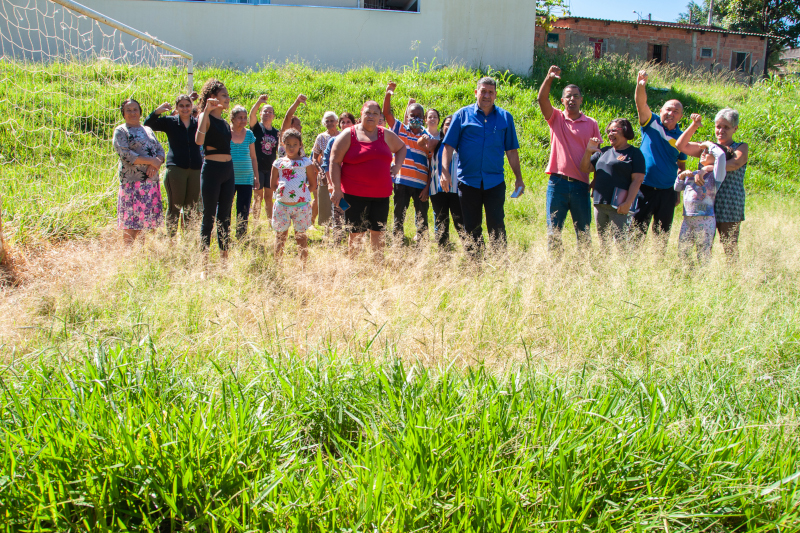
563, 177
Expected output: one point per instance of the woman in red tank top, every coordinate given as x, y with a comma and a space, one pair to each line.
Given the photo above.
361, 170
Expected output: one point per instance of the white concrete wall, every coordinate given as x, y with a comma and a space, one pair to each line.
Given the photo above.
499, 34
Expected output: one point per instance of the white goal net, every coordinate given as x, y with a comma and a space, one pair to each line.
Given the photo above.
63, 75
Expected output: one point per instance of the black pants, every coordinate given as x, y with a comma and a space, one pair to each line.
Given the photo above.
658, 206
473, 202
403, 194
446, 204
217, 187
244, 197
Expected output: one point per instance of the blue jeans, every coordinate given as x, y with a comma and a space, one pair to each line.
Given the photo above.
571, 197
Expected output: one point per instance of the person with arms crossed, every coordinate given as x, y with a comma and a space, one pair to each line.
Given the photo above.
660, 133
568, 187
483, 135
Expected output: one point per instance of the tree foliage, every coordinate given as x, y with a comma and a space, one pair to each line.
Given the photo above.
548, 11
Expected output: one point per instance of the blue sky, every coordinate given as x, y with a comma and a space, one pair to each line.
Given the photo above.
623, 9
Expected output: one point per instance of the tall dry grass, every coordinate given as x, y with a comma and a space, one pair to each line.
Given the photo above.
614, 310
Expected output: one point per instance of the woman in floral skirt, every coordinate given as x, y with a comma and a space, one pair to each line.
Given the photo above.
140, 157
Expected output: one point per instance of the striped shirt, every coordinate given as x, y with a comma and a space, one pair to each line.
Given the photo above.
660, 154
242, 163
436, 170
415, 167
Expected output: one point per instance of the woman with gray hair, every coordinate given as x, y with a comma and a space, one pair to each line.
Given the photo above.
245, 166
729, 206
321, 205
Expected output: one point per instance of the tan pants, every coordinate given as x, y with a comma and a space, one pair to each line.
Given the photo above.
323, 203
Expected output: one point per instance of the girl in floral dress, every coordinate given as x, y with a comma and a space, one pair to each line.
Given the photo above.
140, 157
293, 178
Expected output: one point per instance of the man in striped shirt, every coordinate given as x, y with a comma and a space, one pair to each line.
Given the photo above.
412, 183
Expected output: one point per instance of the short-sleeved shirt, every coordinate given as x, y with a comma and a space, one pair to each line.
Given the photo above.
414, 172
326, 155
266, 146
614, 169
293, 185
320, 143
660, 154
568, 140
437, 170
242, 163
481, 142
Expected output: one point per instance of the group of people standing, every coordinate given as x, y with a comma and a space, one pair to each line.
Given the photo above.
635, 190
456, 164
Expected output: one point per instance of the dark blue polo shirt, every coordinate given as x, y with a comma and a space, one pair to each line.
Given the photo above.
481, 142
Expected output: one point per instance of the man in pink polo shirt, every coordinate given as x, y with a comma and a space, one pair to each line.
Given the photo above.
568, 188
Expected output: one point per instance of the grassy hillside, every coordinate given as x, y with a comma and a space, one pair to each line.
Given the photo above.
74, 193
611, 392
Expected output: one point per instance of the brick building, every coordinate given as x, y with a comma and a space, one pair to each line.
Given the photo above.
690, 45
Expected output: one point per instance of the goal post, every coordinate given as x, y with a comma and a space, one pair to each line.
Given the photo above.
64, 71
91, 13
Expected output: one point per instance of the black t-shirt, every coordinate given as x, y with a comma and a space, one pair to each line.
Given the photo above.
266, 146
614, 168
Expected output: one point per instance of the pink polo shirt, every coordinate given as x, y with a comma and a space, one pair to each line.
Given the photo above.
568, 140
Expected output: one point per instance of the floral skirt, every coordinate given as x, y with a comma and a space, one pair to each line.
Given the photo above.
139, 205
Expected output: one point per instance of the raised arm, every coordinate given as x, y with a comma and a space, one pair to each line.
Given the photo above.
253, 117
387, 105
544, 92
684, 143
640, 97
592, 148
287, 120
203, 122
152, 121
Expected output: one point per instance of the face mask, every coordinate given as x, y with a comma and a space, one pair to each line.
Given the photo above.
415, 123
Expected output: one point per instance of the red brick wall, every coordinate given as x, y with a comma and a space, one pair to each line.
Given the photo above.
679, 40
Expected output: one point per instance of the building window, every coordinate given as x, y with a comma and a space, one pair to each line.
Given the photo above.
658, 53
552, 40
706, 53
740, 61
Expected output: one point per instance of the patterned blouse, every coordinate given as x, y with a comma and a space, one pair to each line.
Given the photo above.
729, 206
132, 143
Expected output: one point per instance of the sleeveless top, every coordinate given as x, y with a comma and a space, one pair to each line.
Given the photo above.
366, 168
218, 136
729, 206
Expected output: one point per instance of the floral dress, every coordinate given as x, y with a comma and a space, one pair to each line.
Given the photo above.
139, 200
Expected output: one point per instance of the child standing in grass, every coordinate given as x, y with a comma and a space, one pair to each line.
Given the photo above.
293, 178
245, 167
699, 193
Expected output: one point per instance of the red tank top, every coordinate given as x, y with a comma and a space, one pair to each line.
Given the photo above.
366, 168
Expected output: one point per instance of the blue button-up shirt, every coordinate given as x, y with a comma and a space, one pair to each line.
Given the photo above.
481, 142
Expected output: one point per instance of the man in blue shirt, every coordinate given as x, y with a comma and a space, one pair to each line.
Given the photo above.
659, 135
483, 135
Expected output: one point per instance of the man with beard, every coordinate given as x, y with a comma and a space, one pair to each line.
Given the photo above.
568, 187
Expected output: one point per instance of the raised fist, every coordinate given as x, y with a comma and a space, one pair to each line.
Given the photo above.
641, 77
391, 87
554, 72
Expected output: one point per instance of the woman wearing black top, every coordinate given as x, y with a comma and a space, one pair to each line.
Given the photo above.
182, 180
217, 183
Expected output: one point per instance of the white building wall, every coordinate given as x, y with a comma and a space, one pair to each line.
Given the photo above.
499, 34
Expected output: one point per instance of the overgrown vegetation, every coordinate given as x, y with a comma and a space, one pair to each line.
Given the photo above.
613, 392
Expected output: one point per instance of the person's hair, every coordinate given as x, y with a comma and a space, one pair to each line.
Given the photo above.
236, 110
183, 97
625, 126
292, 133
441, 133
298, 120
210, 88
347, 115
370, 103
415, 105
727, 149
571, 86
731, 115
327, 115
486, 80
438, 115
126, 102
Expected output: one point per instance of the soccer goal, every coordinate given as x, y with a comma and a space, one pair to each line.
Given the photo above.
64, 70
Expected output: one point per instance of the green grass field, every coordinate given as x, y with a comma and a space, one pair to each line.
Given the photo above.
614, 392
